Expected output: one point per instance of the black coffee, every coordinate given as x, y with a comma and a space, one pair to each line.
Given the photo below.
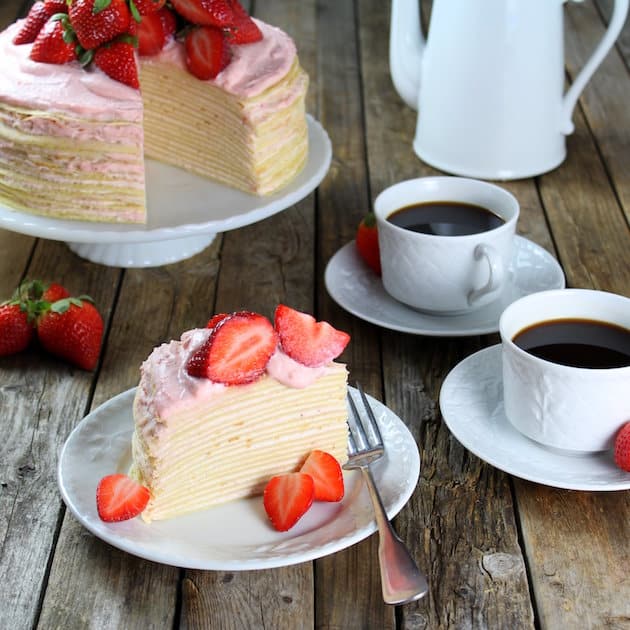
445, 218
582, 343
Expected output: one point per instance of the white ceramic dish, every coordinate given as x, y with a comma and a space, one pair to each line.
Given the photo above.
471, 401
237, 535
185, 213
357, 289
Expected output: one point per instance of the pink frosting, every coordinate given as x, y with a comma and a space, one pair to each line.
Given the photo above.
71, 88
252, 68
172, 386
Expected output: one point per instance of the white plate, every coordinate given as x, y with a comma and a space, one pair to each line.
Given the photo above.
185, 212
471, 401
356, 288
237, 535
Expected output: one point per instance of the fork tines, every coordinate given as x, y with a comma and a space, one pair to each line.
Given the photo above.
363, 435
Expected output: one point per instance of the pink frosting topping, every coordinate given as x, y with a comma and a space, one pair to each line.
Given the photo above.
172, 386
69, 87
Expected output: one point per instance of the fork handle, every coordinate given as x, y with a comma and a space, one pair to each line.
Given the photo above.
401, 579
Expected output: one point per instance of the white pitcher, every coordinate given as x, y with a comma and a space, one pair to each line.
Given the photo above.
488, 83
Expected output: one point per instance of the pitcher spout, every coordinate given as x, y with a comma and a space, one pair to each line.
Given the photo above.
406, 46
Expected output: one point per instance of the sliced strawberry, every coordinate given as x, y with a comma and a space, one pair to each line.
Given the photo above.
35, 20
307, 341
154, 31
367, 243
327, 475
118, 61
215, 319
207, 52
237, 351
146, 7
119, 498
50, 46
622, 447
243, 29
98, 21
205, 12
287, 498
220, 12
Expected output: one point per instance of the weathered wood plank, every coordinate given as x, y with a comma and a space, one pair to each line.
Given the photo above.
45, 398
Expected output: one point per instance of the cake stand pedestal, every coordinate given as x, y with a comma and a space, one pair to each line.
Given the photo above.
185, 213
142, 254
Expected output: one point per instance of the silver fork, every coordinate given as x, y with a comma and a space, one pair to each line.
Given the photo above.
401, 580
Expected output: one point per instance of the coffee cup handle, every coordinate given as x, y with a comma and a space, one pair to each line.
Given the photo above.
486, 252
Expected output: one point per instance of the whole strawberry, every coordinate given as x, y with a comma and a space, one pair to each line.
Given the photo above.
72, 329
622, 447
16, 331
367, 243
51, 45
117, 60
98, 21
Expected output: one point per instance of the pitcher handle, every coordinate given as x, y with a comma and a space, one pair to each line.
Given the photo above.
605, 44
486, 252
406, 47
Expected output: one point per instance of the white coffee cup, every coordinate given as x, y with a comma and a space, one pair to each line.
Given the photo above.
438, 273
561, 406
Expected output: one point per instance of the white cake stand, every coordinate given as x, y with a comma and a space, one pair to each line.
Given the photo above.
185, 213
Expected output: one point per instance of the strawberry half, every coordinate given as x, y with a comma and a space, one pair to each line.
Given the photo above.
207, 52
50, 45
237, 351
119, 498
327, 475
243, 30
367, 243
154, 31
118, 61
205, 12
622, 447
307, 341
72, 329
98, 21
287, 498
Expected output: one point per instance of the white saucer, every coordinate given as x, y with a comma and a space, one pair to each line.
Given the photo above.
237, 535
471, 401
185, 212
356, 288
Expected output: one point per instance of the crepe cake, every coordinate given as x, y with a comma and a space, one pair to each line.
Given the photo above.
221, 411
73, 140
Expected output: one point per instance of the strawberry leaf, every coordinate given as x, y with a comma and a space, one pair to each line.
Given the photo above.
100, 5
134, 11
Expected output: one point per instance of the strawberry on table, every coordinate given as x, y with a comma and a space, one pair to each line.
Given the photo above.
50, 45
117, 60
327, 475
16, 331
154, 31
243, 30
72, 329
237, 350
287, 498
55, 292
622, 447
207, 52
98, 21
119, 498
307, 341
367, 243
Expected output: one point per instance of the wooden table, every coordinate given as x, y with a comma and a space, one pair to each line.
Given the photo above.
500, 552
